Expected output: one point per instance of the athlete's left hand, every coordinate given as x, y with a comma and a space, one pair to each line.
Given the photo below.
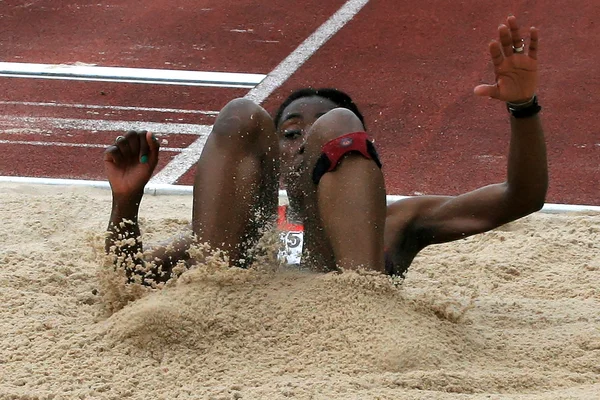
516, 71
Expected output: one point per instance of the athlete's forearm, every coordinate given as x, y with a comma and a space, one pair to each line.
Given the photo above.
123, 233
123, 241
527, 175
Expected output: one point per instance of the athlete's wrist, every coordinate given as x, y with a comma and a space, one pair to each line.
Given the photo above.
126, 205
524, 109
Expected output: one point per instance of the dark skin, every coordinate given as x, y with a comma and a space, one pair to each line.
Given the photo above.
356, 188
239, 160
415, 223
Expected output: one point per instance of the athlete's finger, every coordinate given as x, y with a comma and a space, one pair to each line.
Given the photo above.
113, 154
134, 143
123, 144
144, 149
153, 148
496, 53
533, 42
517, 40
505, 40
487, 91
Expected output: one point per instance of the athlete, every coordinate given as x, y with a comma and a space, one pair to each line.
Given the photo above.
317, 145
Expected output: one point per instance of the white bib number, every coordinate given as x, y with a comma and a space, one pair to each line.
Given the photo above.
292, 247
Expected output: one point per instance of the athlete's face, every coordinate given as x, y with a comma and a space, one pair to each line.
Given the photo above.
294, 127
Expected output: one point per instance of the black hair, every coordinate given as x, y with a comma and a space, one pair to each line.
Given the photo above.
338, 97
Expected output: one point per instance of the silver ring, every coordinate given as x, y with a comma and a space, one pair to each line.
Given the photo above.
519, 49
119, 138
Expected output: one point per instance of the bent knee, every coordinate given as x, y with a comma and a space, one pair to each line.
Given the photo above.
244, 119
335, 123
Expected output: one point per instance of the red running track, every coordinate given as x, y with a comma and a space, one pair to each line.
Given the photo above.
411, 70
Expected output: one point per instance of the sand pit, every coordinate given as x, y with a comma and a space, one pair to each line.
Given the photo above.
511, 314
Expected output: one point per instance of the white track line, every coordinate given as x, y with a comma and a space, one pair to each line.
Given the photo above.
185, 160
163, 189
112, 108
7, 123
178, 169
83, 145
298, 57
129, 75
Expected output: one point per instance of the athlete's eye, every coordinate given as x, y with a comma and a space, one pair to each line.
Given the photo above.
292, 133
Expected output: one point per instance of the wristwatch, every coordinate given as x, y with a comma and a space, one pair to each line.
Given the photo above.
524, 110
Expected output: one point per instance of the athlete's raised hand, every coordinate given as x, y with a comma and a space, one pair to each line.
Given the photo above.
129, 163
515, 65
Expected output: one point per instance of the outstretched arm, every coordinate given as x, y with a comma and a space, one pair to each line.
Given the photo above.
129, 164
438, 219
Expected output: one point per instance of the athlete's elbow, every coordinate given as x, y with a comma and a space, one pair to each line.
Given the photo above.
537, 197
533, 206
530, 205
523, 203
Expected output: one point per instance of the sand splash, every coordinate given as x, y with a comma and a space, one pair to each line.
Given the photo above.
511, 314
